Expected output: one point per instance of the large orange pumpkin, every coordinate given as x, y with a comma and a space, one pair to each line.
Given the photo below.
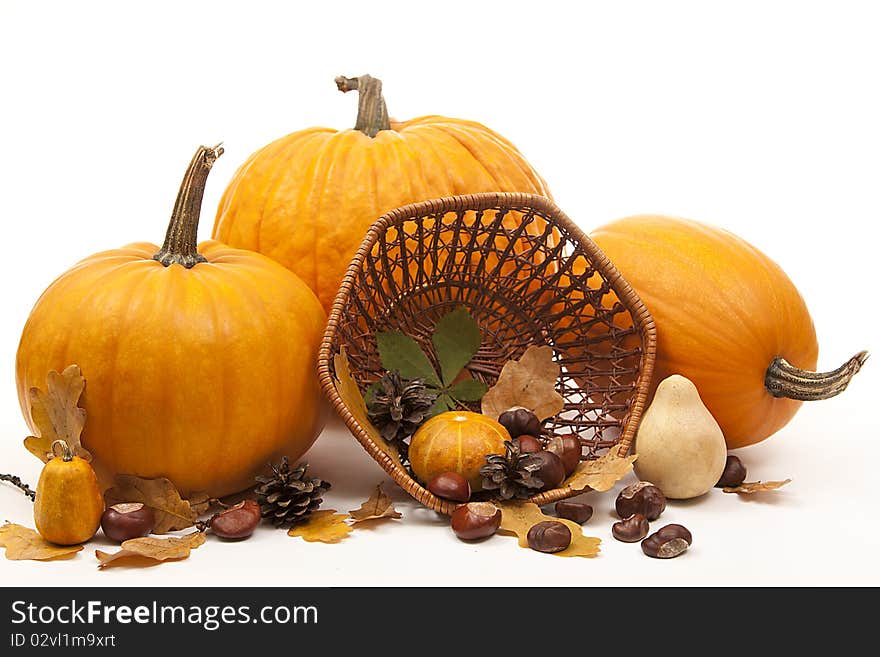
307, 199
728, 318
199, 361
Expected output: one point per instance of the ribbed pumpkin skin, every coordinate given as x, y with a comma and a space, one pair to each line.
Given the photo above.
306, 200
200, 375
723, 311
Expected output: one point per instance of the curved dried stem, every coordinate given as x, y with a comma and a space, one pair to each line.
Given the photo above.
785, 380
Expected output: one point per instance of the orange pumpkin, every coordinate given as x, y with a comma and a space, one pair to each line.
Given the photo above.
307, 199
199, 361
728, 318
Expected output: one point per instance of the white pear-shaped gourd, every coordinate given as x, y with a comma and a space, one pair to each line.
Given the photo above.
680, 447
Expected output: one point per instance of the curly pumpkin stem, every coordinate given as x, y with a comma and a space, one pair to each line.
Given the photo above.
372, 112
785, 380
181, 239
66, 454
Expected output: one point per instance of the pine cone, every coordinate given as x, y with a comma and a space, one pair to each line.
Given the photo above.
511, 474
288, 496
399, 406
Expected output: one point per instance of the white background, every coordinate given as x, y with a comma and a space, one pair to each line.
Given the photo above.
758, 116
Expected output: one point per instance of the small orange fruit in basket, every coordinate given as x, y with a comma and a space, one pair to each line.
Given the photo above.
456, 441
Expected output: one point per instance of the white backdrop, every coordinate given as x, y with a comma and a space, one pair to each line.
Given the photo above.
758, 116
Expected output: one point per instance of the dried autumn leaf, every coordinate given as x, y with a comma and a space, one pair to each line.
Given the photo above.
377, 507
517, 518
25, 543
602, 473
749, 487
323, 527
172, 512
529, 382
57, 415
172, 548
350, 394
200, 503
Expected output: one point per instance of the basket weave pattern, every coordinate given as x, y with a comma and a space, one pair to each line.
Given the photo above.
528, 275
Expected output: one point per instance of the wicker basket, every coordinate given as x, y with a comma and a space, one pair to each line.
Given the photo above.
513, 260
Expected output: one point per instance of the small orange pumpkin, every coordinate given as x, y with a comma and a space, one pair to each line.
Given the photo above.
307, 199
728, 318
199, 360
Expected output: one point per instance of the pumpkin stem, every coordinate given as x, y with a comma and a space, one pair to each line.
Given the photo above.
181, 239
66, 454
372, 112
785, 380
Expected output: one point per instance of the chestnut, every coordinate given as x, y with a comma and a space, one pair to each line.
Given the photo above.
549, 536
667, 542
642, 497
236, 522
450, 486
734, 473
574, 511
528, 444
568, 448
476, 520
121, 522
519, 421
551, 472
630, 530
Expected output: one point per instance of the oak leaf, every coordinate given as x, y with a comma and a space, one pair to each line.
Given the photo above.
323, 527
529, 382
602, 473
749, 487
517, 518
171, 510
350, 394
379, 506
56, 414
136, 550
25, 543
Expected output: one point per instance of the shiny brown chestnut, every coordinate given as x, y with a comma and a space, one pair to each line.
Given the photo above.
734, 473
667, 542
528, 444
520, 421
236, 522
122, 522
476, 520
549, 536
450, 486
642, 497
630, 530
574, 511
551, 472
568, 448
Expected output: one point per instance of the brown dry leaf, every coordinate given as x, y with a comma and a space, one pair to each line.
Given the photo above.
200, 503
323, 527
377, 507
136, 550
529, 382
172, 512
57, 415
354, 401
25, 543
749, 487
517, 518
602, 473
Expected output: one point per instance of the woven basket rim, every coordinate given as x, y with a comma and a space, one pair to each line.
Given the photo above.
483, 201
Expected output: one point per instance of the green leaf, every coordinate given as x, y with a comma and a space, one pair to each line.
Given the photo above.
370, 392
456, 339
400, 352
468, 390
444, 403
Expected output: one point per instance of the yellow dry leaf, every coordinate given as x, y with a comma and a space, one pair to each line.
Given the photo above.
749, 487
517, 518
25, 543
56, 414
140, 551
529, 382
377, 507
602, 473
172, 512
354, 401
323, 527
